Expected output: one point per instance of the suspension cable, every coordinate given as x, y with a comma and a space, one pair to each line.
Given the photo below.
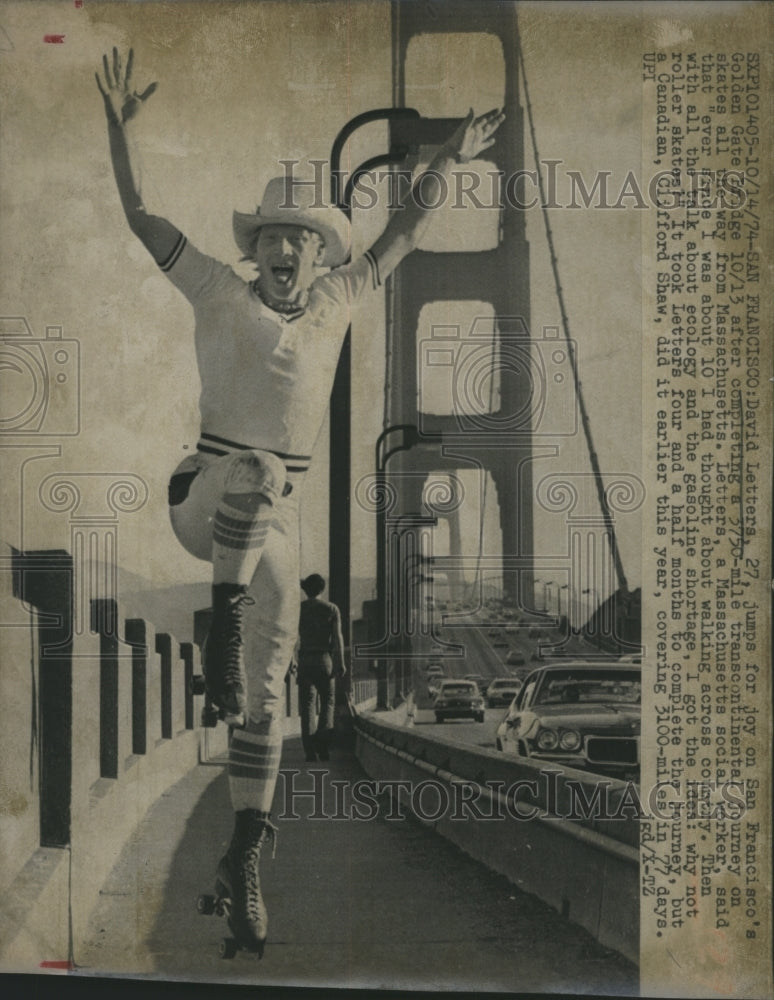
478, 578
598, 481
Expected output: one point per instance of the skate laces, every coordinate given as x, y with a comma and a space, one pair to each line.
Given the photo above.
267, 832
255, 834
232, 640
248, 867
271, 834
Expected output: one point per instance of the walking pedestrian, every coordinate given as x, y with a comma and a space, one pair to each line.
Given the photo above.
320, 659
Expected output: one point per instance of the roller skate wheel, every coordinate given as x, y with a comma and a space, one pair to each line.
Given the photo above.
206, 905
228, 948
197, 685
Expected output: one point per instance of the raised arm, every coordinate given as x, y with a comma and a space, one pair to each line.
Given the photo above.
122, 105
408, 224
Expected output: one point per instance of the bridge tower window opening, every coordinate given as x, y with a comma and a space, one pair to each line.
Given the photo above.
469, 219
467, 533
458, 356
435, 81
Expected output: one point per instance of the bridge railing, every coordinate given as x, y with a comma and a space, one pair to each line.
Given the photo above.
99, 721
364, 691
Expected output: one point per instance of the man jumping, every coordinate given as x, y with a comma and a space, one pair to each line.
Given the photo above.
267, 352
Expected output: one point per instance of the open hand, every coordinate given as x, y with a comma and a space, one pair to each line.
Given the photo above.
121, 102
475, 135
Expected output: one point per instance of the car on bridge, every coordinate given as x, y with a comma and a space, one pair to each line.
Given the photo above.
458, 700
515, 659
584, 715
502, 691
479, 680
435, 675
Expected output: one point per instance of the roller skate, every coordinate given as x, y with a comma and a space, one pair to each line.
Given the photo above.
224, 680
238, 887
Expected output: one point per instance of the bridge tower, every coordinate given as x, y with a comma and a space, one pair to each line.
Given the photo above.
462, 379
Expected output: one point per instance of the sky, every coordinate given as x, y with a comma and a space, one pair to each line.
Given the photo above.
240, 86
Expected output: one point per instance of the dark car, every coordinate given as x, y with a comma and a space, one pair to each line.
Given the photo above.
515, 659
459, 700
584, 715
502, 691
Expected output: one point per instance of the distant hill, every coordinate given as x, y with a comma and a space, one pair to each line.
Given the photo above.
169, 609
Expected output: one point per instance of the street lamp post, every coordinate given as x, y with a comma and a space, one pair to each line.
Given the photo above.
536, 581
564, 586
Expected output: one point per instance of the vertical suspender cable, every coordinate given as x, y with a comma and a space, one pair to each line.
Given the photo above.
598, 481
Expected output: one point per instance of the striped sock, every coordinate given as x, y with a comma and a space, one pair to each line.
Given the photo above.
253, 764
238, 538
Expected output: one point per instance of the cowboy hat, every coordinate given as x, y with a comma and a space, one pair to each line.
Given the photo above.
286, 203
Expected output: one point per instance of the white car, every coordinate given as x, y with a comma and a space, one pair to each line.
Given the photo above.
502, 691
584, 715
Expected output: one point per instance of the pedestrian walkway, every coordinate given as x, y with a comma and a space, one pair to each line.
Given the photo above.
383, 904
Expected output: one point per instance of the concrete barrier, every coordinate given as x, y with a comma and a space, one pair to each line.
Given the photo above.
98, 724
508, 813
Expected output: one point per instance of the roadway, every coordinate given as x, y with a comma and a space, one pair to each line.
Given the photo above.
481, 657
486, 649
386, 904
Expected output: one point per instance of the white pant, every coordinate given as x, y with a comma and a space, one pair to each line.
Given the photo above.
271, 624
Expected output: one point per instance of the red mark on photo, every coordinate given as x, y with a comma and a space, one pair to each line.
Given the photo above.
79, 3
54, 39
65, 965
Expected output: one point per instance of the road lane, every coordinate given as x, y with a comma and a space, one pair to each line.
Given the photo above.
484, 658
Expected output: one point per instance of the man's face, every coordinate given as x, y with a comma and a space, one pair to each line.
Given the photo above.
287, 257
